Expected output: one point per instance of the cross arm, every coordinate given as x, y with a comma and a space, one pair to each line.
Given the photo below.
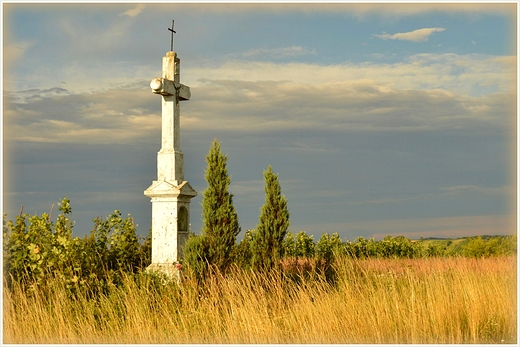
166, 87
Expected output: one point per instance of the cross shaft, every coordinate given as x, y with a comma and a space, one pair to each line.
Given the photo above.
170, 163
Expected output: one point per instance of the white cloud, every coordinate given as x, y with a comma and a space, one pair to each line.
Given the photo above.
461, 74
428, 92
106, 117
419, 35
133, 12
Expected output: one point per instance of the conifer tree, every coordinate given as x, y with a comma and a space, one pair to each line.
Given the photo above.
220, 221
274, 222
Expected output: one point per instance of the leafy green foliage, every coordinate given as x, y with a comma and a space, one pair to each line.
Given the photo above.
36, 250
479, 247
274, 222
362, 248
397, 247
327, 249
220, 221
243, 252
299, 245
196, 252
116, 242
328, 246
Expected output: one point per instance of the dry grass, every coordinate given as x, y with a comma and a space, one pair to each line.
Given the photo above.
452, 300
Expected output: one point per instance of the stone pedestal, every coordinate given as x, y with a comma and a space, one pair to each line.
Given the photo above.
170, 220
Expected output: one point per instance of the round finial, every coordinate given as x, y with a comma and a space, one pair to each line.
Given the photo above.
156, 84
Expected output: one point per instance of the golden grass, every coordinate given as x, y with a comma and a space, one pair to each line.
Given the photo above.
442, 300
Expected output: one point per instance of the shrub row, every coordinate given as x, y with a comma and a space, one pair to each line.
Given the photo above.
328, 247
302, 245
35, 249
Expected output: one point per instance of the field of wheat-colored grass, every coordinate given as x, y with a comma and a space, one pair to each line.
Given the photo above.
376, 301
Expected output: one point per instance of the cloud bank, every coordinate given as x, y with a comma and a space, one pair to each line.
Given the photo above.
419, 35
425, 93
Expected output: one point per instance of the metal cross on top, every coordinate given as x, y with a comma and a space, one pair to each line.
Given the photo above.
173, 32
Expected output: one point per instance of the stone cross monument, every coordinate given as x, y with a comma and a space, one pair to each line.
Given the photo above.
170, 193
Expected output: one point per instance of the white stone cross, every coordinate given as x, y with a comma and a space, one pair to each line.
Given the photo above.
170, 168
170, 193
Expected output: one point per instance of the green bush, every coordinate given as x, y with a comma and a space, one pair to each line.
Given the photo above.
493, 246
196, 252
328, 246
243, 252
35, 250
397, 247
116, 242
299, 245
327, 249
361, 248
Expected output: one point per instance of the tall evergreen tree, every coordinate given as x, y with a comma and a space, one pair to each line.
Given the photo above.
220, 221
274, 222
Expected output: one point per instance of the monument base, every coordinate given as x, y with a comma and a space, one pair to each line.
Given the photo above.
171, 271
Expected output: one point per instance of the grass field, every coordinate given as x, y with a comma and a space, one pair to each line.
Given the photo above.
430, 300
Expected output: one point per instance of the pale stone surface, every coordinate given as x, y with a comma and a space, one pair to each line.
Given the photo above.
170, 194
166, 87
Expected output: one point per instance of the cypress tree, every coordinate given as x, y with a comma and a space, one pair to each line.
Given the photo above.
274, 222
220, 221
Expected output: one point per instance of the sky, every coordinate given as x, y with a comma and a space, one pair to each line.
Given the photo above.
379, 118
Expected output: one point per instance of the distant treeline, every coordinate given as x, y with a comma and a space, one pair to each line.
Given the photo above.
394, 247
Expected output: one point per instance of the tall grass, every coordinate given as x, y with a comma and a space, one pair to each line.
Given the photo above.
435, 300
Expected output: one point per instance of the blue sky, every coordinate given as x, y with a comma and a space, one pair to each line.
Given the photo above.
380, 119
